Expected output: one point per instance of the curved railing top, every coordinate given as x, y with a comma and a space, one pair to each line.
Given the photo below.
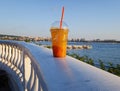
67, 74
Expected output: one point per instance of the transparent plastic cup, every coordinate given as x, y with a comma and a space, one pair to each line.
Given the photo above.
59, 39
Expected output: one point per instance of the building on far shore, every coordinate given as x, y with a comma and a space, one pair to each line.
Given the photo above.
23, 38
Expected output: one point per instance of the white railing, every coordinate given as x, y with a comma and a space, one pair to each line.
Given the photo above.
17, 58
33, 68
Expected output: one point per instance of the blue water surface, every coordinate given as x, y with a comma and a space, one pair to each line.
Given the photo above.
107, 52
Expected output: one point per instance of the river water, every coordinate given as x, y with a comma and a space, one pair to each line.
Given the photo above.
107, 52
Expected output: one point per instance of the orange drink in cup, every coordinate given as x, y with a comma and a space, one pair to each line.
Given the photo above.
59, 41
59, 33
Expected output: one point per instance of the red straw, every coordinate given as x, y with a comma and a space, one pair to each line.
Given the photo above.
62, 17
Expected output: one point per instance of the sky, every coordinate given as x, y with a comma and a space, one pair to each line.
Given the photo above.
89, 19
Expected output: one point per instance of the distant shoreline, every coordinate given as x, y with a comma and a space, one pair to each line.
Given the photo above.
28, 39
97, 41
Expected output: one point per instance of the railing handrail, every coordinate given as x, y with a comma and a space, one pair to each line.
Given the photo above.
59, 74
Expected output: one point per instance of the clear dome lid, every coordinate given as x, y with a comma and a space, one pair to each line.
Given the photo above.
56, 24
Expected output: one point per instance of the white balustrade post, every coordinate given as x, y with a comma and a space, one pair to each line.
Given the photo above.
24, 80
